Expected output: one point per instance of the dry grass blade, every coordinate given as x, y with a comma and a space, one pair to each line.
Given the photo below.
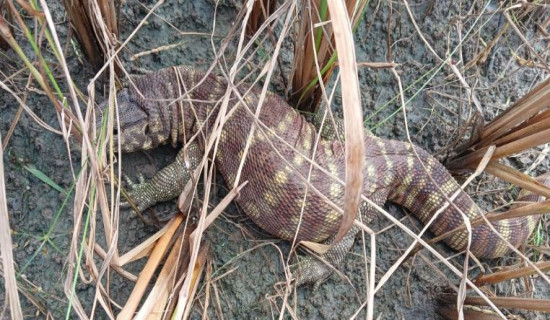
313, 50
531, 126
378, 65
6, 254
450, 313
509, 303
525, 125
218, 210
144, 248
147, 272
481, 58
516, 146
118, 268
351, 100
525, 110
4, 11
82, 25
197, 252
506, 173
86, 26
314, 55
524, 39
198, 270
16, 118
303, 41
155, 304
527, 210
518, 178
501, 276
70, 121
91, 186
261, 10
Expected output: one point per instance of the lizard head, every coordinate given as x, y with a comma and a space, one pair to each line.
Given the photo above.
131, 127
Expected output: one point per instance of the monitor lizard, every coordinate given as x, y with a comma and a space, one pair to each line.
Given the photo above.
294, 179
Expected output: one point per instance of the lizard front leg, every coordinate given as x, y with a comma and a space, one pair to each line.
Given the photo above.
169, 182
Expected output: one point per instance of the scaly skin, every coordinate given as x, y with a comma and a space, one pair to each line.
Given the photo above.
278, 196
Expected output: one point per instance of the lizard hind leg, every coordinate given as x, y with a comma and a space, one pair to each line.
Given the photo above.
315, 269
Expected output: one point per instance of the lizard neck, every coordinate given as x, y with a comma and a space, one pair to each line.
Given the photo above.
178, 101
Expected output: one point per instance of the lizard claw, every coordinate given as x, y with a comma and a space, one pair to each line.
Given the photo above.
141, 178
131, 183
140, 193
128, 181
311, 270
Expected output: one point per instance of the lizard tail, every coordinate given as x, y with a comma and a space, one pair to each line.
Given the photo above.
424, 194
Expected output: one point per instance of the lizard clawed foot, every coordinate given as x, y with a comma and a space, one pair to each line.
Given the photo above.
141, 193
311, 270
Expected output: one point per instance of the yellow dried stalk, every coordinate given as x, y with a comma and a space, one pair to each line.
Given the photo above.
6, 254
149, 269
155, 304
355, 148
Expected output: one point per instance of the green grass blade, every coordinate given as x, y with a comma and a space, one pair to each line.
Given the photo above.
42, 176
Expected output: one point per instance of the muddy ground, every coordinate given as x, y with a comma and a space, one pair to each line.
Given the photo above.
247, 290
